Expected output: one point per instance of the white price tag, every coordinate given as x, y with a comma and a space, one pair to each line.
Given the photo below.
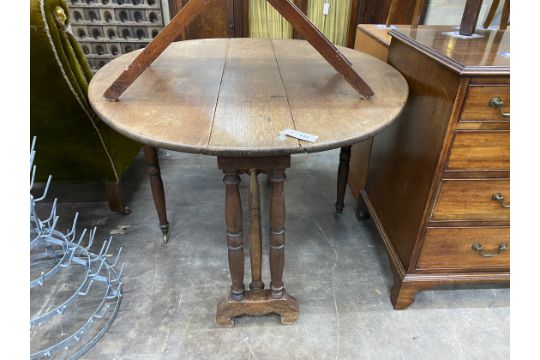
297, 135
326, 9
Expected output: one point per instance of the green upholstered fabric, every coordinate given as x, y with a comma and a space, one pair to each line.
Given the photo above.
73, 143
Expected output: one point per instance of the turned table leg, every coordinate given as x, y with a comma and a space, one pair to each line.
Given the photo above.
277, 232
256, 301
255, 233
158, 193
343, 175
235, 241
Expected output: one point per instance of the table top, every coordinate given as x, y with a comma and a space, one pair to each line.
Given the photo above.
232, 97
488, 52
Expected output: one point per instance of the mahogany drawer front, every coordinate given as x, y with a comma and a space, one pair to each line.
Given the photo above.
477, 108
480, 150
465, 248
472, 200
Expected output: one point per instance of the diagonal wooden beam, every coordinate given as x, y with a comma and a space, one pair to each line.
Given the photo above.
170, 33
317, 39
194, 8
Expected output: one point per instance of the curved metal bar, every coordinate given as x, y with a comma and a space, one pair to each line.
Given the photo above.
76, 336
47, 237
49, 274
60, 308
46, 190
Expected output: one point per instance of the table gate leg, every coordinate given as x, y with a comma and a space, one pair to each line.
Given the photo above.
255, 233
286, 306
235, 241
277, 232
343, 175
158, 193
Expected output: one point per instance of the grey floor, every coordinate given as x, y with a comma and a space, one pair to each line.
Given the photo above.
337, 269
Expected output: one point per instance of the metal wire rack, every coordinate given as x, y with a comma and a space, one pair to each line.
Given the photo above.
56, 256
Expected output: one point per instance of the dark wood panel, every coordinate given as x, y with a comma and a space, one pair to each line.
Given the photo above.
221, 19
472, 200
405, 156
212, 23
452, 248
376, 11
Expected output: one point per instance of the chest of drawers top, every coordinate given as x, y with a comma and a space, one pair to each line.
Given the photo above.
487, 53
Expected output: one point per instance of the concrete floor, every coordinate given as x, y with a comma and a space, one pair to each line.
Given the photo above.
337, 269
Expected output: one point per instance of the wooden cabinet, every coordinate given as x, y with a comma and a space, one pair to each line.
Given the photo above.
438, 181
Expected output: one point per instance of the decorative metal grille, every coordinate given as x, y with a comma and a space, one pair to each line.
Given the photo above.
109, 28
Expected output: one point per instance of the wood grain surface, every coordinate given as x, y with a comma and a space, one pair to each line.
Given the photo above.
476, 107
471, 200
480, 150
324, 46
170, 33
373, 40
480, 56
451, 248
232, 97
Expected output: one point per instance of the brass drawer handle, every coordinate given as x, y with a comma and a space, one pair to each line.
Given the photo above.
497, 103
478, 248
500, 199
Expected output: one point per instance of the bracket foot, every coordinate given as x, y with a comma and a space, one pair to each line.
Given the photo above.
257, 303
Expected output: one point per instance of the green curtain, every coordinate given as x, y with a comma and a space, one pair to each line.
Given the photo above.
266, 22
335, 25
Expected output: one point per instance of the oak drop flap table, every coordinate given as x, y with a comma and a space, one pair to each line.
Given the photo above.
231, 98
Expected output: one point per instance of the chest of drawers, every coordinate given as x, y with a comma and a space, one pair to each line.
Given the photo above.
438, 181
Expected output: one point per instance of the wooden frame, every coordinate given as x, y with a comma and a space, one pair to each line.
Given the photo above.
195, 7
